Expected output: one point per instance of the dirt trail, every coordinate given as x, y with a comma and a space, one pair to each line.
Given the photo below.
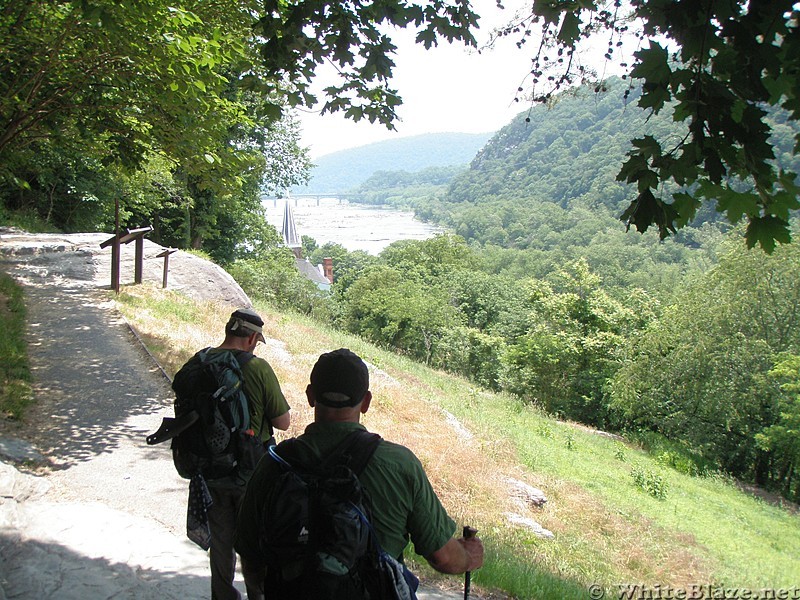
103, 505
98, 392
87, 509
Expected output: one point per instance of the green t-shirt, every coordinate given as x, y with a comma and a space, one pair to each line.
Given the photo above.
404, 505
264, 395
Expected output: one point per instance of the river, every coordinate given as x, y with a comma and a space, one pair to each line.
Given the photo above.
354, 226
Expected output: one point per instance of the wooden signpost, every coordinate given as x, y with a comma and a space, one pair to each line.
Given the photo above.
132, 235
166, 254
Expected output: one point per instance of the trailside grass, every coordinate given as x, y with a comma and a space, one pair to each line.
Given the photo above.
15, 377
619, 517
699, 530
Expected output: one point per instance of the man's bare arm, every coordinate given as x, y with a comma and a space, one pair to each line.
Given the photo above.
457, 556
282, 422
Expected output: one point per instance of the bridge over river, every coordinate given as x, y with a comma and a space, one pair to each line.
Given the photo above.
297, 199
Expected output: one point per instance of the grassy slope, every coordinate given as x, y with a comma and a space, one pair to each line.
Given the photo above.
607, 530
15, 390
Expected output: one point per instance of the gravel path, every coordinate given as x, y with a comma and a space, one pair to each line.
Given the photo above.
107, 516
87, 509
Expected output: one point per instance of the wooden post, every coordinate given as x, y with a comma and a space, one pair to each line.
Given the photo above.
116, 242
115, 250
166, 254
166, 271
138, 264
137, 236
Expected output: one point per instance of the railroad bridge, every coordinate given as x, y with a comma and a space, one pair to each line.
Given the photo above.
296, 199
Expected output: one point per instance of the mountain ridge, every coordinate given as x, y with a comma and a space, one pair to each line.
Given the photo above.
345, 170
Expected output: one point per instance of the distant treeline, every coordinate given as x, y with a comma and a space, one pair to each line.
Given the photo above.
344, 170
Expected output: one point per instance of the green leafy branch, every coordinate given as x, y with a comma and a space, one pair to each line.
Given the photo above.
721, 68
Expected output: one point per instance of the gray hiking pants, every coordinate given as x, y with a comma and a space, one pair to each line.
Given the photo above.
222, 522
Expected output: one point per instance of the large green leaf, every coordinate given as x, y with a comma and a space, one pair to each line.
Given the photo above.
767, 231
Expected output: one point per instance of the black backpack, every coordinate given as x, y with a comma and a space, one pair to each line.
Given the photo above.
211, 433
315, 535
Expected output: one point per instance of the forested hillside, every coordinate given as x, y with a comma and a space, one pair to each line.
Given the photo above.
688, 344
570, 155
546, 185
342, 171
406, 190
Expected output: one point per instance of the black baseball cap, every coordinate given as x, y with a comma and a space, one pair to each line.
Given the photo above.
339, 379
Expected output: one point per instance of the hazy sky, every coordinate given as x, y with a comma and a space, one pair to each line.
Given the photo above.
450, 88
446, 89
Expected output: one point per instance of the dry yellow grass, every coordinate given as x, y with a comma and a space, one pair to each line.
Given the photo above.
470, 483
634, 549
468, 470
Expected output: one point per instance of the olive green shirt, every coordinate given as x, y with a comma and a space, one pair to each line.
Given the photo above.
264, 396
404, 505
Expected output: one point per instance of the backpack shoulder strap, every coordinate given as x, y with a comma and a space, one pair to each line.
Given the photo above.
286, 453
202, 355
355, 451
243, 357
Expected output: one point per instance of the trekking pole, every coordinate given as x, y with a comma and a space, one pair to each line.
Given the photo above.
469, 532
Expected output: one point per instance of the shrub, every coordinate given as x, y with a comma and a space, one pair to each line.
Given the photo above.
650, 482
15, 388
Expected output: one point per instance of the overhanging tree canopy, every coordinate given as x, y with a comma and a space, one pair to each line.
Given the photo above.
129, 71
300, 35
720, 65
98, 86
139, 72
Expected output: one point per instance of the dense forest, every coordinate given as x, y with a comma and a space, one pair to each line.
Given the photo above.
162, 111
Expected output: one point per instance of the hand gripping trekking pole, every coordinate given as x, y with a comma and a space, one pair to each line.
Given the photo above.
469, 532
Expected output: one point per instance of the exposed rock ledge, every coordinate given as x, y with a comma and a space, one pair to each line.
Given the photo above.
77, 259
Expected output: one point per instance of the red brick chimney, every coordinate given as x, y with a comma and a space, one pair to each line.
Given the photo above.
327, 268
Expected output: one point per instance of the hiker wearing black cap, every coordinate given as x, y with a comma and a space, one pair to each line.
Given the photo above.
268, 411
403, 503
